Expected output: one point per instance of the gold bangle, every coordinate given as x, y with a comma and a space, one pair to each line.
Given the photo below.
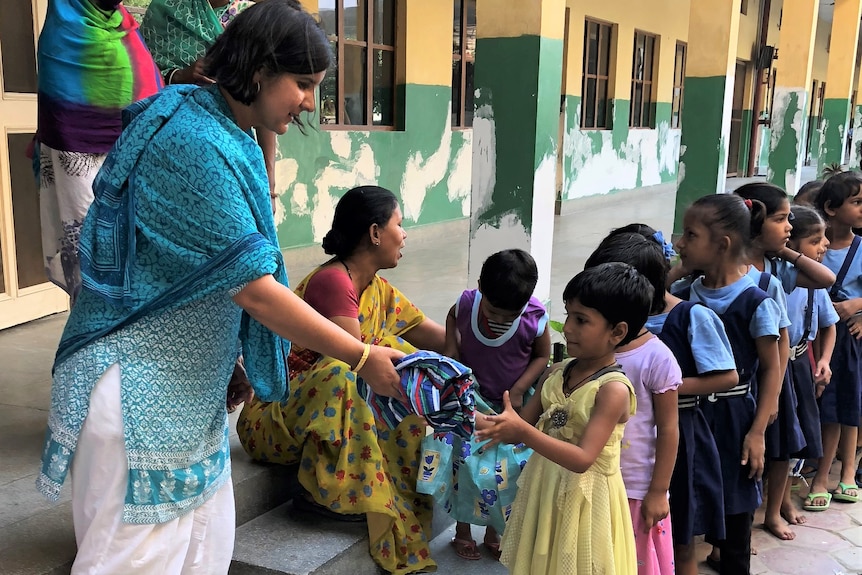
365, 353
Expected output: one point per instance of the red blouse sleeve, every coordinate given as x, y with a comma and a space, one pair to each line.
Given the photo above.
330, 292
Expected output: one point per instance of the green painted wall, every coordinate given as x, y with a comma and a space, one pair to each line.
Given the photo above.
703, 159
786, 145
524, 114
427, 165
836, 115
618, 158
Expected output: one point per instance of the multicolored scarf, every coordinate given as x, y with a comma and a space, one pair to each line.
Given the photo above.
436, 387
92, 64
178, 32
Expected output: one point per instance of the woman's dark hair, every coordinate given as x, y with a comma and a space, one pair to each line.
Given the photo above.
642, 253
275, 36
769, 195
805, 219
358, 210
837, 189
807, 194
508, 278
617, 291
730, 215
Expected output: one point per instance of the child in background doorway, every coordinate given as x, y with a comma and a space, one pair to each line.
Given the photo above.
500, 331
571, 514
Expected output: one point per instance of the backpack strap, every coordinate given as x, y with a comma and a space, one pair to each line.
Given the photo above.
845, 267
809, 315
763, 283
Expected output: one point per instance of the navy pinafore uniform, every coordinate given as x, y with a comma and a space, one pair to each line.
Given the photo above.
802, 377
696, 495
783, 436
841, 401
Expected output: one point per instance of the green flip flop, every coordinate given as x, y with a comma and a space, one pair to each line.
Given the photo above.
841, 493
809, 502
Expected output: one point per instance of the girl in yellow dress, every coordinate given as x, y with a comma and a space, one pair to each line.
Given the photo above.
571, 513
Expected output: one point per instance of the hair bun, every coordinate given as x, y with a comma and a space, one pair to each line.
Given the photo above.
333, 242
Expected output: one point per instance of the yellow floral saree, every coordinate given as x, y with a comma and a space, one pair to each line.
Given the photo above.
348, 461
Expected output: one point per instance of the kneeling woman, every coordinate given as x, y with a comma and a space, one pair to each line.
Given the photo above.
350, 463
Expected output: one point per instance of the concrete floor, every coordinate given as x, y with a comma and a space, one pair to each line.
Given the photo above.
432, 273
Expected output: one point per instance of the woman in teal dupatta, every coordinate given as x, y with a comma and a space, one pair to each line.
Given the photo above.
181, 271
179, 32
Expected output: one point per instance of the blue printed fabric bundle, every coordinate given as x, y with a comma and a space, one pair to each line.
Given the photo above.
436, 387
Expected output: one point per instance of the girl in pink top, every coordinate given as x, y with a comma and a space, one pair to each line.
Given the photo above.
651, 436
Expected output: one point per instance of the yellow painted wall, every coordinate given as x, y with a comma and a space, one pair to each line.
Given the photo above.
427, 41
667, 19
821, 57
512, 18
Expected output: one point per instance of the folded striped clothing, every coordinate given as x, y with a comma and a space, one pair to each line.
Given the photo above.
435, 387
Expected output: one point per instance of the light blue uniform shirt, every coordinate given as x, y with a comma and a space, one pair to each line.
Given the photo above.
706, 336
851, 287
824, 313
769, 316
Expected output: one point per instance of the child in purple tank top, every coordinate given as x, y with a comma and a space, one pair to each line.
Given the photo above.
500, 332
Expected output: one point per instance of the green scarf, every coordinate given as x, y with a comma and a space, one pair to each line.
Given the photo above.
178, 32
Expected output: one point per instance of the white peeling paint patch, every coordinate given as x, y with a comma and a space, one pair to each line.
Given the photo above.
458, 183
486, 240
856, 141
286, 170
542, 240
484, 159
339, 177
680, 173
781, 107
422, 174
590, 173
341, 144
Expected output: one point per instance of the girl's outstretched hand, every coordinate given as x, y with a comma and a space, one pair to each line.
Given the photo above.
507, 427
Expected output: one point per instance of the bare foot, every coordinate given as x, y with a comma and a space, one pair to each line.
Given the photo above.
778, 528
791, 514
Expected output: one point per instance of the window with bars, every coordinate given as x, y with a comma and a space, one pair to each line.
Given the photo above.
463, 52
678, 85
594, 85
360, 89
642, 110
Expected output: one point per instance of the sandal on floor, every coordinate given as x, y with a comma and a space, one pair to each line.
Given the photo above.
841, 493
466, 549
809, 501
494, 548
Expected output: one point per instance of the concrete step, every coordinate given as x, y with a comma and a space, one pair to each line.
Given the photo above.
37, 537
289, 541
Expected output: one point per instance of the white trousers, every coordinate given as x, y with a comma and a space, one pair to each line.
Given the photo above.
199, 542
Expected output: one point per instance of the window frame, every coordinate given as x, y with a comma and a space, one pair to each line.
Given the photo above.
462, 38
647, 86
370, 48
606, 122
678, 95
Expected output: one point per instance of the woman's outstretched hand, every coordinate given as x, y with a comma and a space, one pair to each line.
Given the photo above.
239, 389
506, 427
379, 371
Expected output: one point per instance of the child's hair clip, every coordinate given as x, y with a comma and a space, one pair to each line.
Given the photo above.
667, 248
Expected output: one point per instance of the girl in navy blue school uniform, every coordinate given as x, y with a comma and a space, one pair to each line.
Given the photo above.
840, 201
696, 336
812, 316
779, 270
716, 233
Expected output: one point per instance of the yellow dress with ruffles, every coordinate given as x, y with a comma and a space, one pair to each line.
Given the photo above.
349, 461
564, 522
